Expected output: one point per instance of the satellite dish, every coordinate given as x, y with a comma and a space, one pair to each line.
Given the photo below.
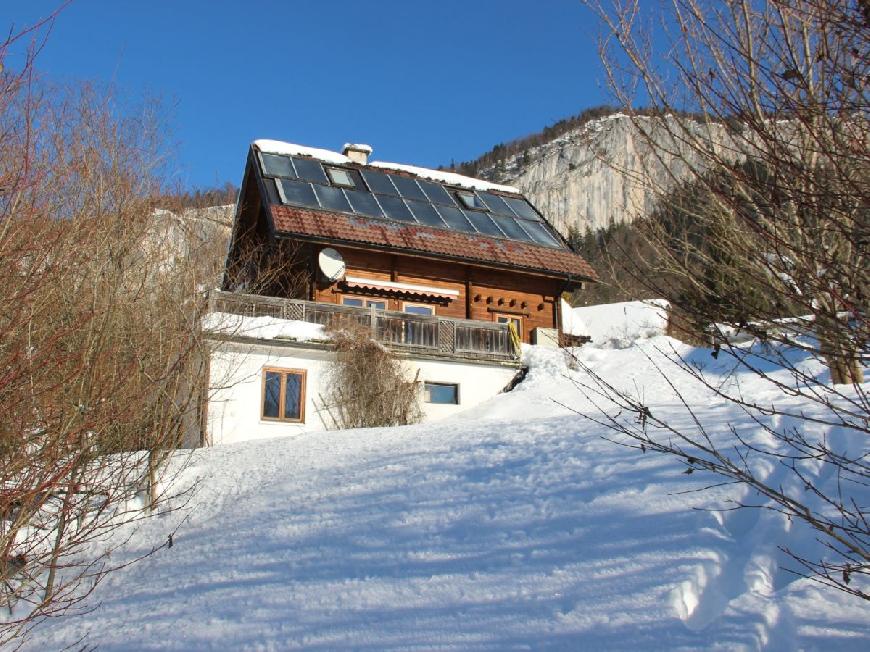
331, 264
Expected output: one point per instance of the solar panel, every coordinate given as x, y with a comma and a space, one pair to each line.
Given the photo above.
310, 170
405, 199
395, 208
426, 213
364, 203
436, 192
275, 165
511, 228
297, 193
539, 233
496, 204
522, 208
332, 198
483, 223
455, 218
408, 188
380, 183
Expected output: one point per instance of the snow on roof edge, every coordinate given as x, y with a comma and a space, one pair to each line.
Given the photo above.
291, 149
328, 156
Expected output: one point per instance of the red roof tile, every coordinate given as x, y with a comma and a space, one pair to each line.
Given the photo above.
308, 223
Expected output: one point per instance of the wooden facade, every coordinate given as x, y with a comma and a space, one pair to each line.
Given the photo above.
482, 294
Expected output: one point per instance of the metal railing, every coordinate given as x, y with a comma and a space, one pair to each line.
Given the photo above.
397, 330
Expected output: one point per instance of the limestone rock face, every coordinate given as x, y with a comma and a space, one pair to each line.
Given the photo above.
605, 171
201, 235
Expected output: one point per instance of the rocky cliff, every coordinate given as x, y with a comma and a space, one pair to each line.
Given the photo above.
198, 235
602, 171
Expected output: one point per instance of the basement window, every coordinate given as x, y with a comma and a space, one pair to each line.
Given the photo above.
283, 395
441, 393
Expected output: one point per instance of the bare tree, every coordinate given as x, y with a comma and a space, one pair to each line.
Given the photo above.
764, 116
100, 354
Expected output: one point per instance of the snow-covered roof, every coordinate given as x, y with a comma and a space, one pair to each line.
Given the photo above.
328, 156
291, 149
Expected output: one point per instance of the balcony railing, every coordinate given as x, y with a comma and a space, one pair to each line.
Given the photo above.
397, 330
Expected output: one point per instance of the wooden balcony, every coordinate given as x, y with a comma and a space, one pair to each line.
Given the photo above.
399, 331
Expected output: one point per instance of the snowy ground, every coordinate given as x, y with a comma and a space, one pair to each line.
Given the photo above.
520, 528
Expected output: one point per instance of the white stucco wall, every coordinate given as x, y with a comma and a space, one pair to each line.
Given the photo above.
236, 388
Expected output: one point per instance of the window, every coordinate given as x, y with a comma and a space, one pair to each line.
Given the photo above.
283, 395
470, 200
512, 319
359, 302
442, 393
418, 309
340, 177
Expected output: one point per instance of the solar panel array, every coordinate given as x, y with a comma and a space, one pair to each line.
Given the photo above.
310, 183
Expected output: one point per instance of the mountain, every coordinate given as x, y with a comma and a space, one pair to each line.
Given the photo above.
590, 173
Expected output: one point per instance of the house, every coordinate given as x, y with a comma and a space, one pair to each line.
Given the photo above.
449, 272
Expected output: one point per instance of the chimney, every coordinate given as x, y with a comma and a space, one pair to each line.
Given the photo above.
357, 153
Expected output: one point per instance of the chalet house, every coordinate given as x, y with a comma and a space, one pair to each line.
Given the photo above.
449, 272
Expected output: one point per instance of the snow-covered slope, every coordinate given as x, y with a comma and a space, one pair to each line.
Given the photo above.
617, 325
519, 528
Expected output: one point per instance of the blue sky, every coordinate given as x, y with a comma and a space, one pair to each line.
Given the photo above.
423, 82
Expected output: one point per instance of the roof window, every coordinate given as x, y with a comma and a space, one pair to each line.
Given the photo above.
470, 200
340, 177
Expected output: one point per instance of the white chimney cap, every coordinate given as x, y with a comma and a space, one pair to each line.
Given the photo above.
356, 147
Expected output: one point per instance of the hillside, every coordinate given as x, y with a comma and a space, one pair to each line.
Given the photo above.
519, 528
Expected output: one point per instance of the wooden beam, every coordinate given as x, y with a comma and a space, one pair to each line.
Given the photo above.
468, 293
